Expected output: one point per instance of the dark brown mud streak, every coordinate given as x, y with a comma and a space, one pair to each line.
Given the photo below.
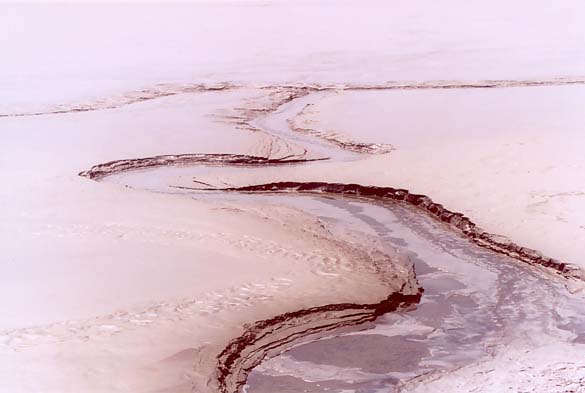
118, 166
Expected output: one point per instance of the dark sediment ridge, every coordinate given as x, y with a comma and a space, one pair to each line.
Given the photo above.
458, 221
273, 336
118, 166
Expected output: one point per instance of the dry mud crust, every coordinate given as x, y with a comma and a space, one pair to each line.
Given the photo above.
462, 223
272, 336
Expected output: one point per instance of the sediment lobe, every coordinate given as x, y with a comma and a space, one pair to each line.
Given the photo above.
460, 222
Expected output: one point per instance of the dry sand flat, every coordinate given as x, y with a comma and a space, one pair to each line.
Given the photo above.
108, 289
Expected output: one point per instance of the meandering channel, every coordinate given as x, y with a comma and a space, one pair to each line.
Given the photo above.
461, 319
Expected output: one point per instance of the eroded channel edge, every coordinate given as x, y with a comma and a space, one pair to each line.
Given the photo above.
459, 221
273, 336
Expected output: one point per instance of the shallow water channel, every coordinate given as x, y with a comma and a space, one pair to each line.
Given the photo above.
474, 303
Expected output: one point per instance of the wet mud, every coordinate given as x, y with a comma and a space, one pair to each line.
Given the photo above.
451, 305
269, 337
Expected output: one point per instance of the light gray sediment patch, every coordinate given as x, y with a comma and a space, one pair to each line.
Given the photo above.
288, 384
371, 353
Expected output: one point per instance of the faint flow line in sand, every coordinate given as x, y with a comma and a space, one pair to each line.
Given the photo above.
167, 90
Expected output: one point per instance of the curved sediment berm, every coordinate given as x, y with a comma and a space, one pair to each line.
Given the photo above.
272, 336
459, 221
118, 166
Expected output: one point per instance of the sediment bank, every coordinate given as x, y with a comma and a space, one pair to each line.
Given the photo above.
459, 221
270, 337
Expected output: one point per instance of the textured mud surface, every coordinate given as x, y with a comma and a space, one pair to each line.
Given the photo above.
460, 320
